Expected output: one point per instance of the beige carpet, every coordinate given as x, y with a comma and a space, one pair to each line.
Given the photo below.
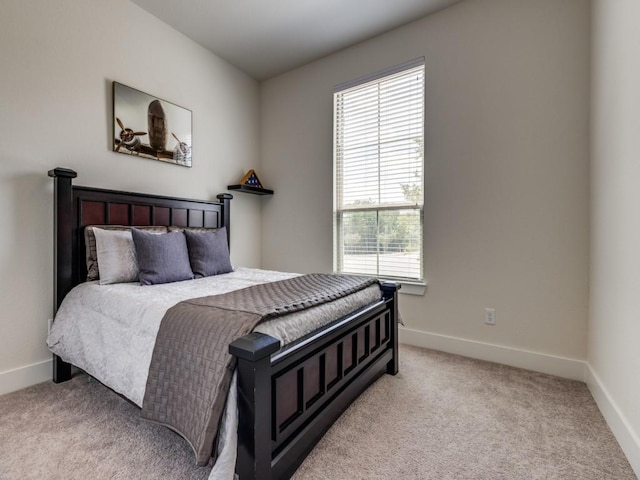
442, 417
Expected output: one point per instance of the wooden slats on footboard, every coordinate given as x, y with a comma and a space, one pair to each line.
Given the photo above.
310, 383
314, 379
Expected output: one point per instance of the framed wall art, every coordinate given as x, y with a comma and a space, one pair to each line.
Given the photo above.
149, 127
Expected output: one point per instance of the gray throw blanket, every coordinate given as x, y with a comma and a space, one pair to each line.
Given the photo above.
191, 367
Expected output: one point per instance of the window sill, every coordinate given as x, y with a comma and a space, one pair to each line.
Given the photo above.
410, 288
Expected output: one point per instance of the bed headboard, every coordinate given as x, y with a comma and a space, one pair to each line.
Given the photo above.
76, 207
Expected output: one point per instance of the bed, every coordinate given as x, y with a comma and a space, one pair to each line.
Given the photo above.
287, 395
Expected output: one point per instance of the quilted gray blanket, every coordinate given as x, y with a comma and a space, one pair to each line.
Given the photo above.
191, 368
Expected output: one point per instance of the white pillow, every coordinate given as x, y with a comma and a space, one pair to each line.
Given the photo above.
116, 256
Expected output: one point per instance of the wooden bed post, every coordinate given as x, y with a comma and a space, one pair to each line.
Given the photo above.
253, 352
225, 199
390, 291
63, 257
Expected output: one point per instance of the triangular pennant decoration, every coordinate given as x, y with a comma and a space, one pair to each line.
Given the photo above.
250, 183
251, 179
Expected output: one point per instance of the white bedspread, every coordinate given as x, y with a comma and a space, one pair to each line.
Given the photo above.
109, 331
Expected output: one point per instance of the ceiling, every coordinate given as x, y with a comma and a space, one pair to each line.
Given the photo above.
265, 38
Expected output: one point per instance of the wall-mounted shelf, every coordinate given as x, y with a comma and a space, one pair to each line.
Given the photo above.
250, 189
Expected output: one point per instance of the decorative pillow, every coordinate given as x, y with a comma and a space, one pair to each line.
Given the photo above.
116, 255
93, 272
161, 258
208, 252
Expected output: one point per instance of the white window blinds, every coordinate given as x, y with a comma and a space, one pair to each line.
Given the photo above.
378, 177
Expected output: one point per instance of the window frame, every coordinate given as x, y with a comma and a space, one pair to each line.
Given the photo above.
338, 192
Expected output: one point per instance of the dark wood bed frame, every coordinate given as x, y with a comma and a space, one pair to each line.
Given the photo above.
287, 397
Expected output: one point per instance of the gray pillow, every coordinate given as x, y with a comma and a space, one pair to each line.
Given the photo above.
162, 258
117, 256
208, 252
91, 250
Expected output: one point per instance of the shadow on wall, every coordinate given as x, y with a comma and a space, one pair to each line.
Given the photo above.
26, 260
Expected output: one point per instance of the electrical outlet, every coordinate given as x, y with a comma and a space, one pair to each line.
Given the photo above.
490, 316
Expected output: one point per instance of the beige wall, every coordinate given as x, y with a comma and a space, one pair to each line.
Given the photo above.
57, 62
506, 152
614, 321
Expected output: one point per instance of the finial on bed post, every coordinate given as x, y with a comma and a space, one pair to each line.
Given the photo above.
225, 199
253, 352
390, 292
62, 263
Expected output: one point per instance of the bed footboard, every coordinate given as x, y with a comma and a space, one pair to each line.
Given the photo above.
288, 398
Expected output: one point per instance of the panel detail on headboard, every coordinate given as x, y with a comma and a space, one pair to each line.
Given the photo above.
162, 216
118, 213
92, 213
196, 218
179, 217
211, 218
142, 215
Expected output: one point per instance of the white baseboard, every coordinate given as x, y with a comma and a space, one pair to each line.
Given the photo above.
538, 362
623, 431
24, 377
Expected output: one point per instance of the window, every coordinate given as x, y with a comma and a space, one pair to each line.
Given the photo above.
378, 176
